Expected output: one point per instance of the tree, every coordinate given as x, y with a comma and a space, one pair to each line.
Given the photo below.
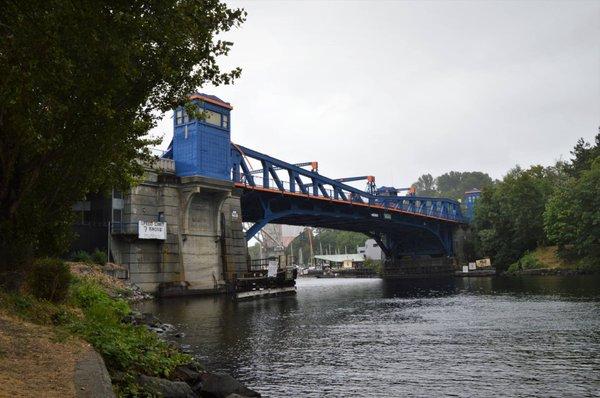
572, 215
453, 184
425, 185
584, 155
509, 215
80, 86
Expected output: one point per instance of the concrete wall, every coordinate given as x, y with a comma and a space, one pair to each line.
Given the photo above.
205, 246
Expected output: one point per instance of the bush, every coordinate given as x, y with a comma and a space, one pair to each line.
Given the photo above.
49, 279
125, 347
529, 261
99, 257
589, 265
82, 256
514, 268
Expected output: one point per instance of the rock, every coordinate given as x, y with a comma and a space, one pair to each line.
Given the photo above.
219, 385
156, 386
150, 320
185, 373
179, 335
91, 377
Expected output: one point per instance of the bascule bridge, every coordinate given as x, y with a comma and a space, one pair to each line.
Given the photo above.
198, 194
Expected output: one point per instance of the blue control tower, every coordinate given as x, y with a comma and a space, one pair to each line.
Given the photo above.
470, 199
202, 147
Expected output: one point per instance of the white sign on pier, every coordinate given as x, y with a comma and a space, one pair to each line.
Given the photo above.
152, 230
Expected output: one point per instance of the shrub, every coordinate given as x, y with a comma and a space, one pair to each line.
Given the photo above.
49, 279
514, 267
99, 257
529, 261
589, 265
82, 256
124, 347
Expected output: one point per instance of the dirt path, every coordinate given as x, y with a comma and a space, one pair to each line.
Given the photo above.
33, 363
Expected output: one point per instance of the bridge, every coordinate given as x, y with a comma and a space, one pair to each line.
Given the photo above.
406, 227
401, 225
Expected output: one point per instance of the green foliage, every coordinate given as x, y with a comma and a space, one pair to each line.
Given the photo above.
425, 185
326, 241
514, 268
34, 310
572, 214
99, 257
124, 347
589, 265
451, 185
82, 256
90, 313
374, 265
584, 155
528, 261
454, 184
81, 86
508, 217
48, 279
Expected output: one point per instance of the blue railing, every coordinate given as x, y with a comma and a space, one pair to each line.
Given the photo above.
300, 181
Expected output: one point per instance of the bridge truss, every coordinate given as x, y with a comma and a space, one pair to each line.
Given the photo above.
285, 193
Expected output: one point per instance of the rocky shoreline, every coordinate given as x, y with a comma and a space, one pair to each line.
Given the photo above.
186, 381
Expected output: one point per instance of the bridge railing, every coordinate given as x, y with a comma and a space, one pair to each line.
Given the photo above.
305, 182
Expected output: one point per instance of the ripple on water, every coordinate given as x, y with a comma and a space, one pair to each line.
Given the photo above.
367, 338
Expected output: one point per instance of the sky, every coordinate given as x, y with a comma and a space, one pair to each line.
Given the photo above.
397, 89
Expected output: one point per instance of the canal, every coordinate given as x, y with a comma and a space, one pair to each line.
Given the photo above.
530, 336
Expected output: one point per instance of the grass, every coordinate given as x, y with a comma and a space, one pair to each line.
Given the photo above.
549, 257
90, 313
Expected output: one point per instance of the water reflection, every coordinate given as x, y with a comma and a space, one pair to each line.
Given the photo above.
535, 336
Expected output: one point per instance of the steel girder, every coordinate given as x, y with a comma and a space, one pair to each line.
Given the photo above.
398, 234
311, 183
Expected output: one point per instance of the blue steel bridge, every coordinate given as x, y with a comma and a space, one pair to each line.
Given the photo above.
401, 225
275, 191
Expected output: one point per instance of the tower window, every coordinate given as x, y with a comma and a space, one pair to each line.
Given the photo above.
179, 116
213, 118
225, 121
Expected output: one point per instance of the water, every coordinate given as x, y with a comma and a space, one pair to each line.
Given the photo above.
479, 337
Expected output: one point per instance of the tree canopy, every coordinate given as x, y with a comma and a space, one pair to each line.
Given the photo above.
80, 86
453, 184
543, 205
326, 241
572, 215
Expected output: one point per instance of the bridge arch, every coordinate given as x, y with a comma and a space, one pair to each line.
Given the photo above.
388, 233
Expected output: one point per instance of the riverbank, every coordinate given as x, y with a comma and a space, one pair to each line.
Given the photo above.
96, 316
547, 261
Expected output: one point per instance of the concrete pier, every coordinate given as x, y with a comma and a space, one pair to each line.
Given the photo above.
204, 248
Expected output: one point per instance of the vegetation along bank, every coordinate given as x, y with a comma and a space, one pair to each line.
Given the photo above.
70, 308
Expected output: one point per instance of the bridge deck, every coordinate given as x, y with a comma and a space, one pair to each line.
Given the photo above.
423, 213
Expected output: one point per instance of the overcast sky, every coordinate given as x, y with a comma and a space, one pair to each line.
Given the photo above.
399, 89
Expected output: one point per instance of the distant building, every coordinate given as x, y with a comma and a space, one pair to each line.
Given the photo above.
343, 260
370, 250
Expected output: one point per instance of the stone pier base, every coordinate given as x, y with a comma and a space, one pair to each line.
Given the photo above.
419, 267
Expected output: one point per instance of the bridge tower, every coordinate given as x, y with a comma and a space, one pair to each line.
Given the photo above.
212, 248
201, 147
470, 198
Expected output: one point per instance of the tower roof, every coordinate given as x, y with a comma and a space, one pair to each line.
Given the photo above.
213, 99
